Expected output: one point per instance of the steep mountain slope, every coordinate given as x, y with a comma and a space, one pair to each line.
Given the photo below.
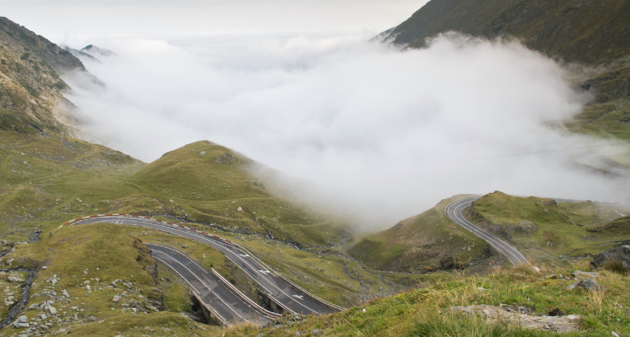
585, 31
19, 38
30, 87
424, 243
595, 34
547, 230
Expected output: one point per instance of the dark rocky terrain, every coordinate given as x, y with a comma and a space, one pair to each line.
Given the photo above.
588, 32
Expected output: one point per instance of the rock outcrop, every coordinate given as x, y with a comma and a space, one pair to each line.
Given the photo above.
31, 87
619, 256
553, 323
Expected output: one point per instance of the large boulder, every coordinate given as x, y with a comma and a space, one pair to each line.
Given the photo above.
619, 255
588, 284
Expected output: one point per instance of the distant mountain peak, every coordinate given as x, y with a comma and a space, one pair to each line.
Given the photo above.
79, 54
96, 51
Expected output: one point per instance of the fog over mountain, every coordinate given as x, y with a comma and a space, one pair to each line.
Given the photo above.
383, 134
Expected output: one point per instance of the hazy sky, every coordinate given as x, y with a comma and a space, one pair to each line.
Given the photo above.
57, 19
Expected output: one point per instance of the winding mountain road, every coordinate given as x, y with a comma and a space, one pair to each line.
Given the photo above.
278, 288
233, 306
454, 212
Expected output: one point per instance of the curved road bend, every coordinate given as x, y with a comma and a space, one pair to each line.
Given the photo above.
286, 295
454, 212
231, 308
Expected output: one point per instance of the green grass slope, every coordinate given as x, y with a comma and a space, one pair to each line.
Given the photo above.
423, 243
426, 311
544, 229
208, 183
47, 180
620, 226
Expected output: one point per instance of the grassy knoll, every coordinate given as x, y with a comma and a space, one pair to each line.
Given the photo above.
545, 230
426, 311
208, 183
423, 243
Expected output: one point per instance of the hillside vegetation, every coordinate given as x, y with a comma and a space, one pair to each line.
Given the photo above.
47, 180
208, 183
547, 230
427, 311
48, 177
53, 178
424, 243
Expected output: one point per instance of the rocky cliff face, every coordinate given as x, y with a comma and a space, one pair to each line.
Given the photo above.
31, 90
18, 38
590, 32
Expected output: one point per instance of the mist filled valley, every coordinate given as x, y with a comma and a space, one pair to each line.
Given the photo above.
430, 168
381, 134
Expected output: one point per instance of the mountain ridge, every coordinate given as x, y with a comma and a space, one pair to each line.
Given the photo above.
31, 88
591, 33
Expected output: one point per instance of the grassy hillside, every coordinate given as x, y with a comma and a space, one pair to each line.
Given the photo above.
208, 183
423, 243
546, 230
49, 180
109, 252
604, 119
426, 311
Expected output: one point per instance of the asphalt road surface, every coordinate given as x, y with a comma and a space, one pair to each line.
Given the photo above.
454, 212
283, 293
231, 307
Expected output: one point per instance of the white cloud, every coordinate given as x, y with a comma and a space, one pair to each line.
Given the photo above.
386, 133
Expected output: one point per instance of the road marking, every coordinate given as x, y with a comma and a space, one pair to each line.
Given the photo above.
299, 296
221, 318
207, 287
